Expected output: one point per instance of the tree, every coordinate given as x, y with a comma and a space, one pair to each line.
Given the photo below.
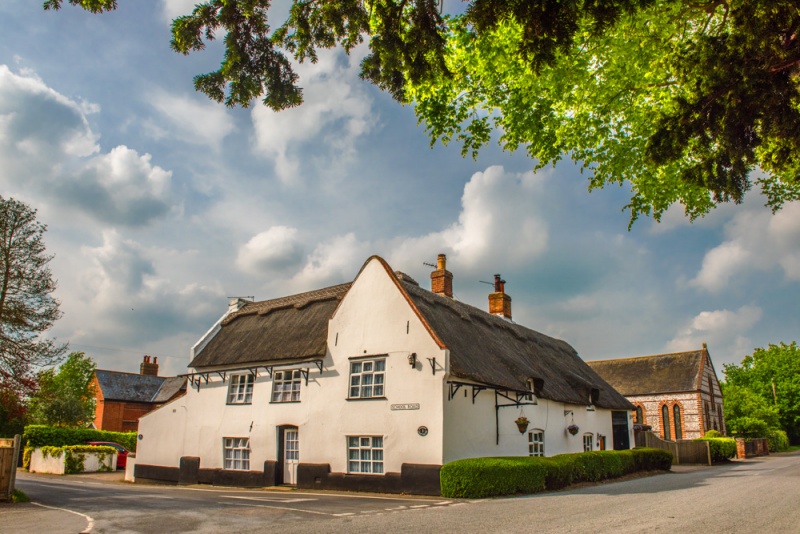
13, 413
747, 414
778, 365
27, 307
66, 397
680, 101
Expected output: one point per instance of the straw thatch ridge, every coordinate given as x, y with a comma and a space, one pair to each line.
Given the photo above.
287, 328
651, 375
491, 350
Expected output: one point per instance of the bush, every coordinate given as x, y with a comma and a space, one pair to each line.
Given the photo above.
488, 477
42, 436
721, 448
778, 441
713, 434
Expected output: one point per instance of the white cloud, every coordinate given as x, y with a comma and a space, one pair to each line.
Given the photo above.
755, 240
332, 262
276, 250
171, 9
199, 122
48, 149
336, 111
724, 329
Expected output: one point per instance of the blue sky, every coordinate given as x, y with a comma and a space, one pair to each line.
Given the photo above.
161, 204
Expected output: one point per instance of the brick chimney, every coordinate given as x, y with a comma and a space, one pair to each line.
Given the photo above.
149, 368
499, 302
441, 278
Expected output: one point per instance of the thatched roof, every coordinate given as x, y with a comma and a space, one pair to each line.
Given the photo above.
651, 375
491, 350
132, 387
286, 328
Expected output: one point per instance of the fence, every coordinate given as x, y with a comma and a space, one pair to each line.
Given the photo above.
752, 447
683, 452
9, 452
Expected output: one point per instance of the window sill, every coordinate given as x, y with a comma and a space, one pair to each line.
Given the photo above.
364, 399
285, 402
366, 474
239, 403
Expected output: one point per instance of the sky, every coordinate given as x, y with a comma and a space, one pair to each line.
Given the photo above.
161, 204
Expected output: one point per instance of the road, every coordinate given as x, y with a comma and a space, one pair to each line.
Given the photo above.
747, 496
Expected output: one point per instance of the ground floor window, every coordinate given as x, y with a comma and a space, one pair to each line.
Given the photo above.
588, 442
536, 442
365, 454
237, 453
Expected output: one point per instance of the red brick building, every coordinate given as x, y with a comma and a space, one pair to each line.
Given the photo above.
122, 398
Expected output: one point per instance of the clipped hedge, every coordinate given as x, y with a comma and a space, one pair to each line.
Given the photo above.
43, 436
722, 449
490, 477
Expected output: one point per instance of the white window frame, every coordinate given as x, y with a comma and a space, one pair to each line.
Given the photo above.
588, 442
236, 454
240, 388
286, 385
367, 379
536, 446
365, 455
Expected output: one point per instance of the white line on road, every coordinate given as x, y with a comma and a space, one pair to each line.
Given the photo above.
89, 520
255, 505
266, 499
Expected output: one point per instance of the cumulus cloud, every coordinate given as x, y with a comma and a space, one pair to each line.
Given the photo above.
332, 262
276, 250
48, 149
336, 111
755, 241
171, 9
724, 329
200, 122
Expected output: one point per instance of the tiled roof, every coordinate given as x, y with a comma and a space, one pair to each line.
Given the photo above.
650, 375
132, 387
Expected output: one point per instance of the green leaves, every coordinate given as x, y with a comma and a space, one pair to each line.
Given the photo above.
65, 398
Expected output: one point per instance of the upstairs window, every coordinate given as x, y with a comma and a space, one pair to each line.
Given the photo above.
240, 389
536, 442
237, 453
367, 379
286, 386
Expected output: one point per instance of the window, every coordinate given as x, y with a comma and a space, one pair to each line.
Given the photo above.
536, 442
719, 417
367, 379
240, 389
665, 422
237, 453
588, 442
639, 415
676, 411
708, 417
286, 386
711, 392
365, 454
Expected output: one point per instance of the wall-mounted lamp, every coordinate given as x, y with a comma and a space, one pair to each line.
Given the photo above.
412, 359
590, 408
567, 412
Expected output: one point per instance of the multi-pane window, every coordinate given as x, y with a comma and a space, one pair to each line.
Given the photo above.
240, 389
676, 411
639, 415
365, 454
237, 453
665, 422
536, 442
286, 386
588, 442
367, 378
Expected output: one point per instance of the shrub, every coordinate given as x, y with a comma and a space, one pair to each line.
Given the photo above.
488, 477
41, 436
778, 441
713, 434
721, 448
19, 496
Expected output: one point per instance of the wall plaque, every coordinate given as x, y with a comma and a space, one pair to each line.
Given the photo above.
409, 406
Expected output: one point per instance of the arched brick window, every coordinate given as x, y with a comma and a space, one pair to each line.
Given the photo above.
665, 433
638, 415
676, 411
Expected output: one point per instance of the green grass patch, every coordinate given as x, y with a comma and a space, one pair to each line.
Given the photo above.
19, 496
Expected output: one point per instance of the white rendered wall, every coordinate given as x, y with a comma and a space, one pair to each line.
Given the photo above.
471, 429
373, 319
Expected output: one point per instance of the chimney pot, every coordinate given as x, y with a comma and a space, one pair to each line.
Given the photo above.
147, 367
499, 302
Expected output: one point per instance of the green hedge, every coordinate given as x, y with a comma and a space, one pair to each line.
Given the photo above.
778, 441
489, 477
42, 436
722, 449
